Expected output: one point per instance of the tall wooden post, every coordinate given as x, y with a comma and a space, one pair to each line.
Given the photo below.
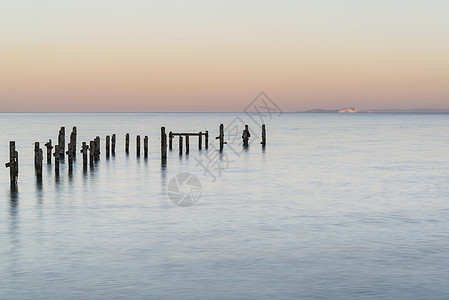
138, 145
180, 145
61, 141
127, 143
97, 148
40, 157
187, 144
83, 150
69, 153
73, 140
49, 148
113, 144
264, 135
200, 140
108, 138
13, 163
36, 154
145, 146
91, 152
220, 137
56, 155
163, 144
206, 140
245, 136
170, 140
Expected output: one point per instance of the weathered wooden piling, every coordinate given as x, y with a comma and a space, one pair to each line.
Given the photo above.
56, 155
163, 144
200, 140
220, 137
36, 153
264, 136
13, 163
206, 140
61, 141
73, 141
91, 152
170, 140
49, 148
245, 136
187, 144
38, 160
180, 145
113, 144
108, 138
145, 146
69, 153
97, 148
84, 149
127, 143
138, 145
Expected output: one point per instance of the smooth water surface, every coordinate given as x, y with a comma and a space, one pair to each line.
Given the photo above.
335, 207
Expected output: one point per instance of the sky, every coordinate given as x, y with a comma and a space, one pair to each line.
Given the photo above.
198, 55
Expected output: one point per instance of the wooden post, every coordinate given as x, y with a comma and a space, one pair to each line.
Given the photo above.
127, 143
83, 150
73, 140
107, 145
206, 140
200, 140
163, 144
97, 148
245, 136
180, 145
221, 137
187, 144
13, 163
170, 140
56, 155
40, 157
61, 141
49, 147
91, 152
138, 145
113, 144
69, 153
264, 135
145, 146
36, 154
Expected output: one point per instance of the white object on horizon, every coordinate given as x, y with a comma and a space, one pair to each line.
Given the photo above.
349, 110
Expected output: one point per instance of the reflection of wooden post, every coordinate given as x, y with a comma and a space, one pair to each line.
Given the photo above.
170, 140
206, 140
145, 146
13, 163
180, 145
127, 143
245, 136
61, 141
187, 144
49, 147
138, 145
113, 144
83, 150
264, 135
163, 144
73, 140
220, 136
108, 139
200, 140
91, 152
56, 155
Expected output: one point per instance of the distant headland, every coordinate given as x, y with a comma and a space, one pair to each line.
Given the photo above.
382, 111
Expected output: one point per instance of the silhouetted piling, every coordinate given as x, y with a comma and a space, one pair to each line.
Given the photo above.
187, 144
84, 149
220, 137
180, 145
264, 136
61, 141
73, 141
127, 143
163, 144
245, 136
138, 145
108, 138
145, 146
206, 140
57, 155
170, 140
97, 148
13, 163
38, 158
69, 153
200, 140
113, 144
49, 148
91, 152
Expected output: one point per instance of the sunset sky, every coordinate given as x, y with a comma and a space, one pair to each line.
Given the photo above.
110, 55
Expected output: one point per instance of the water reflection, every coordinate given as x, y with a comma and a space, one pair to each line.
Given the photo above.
39, 189
13, 200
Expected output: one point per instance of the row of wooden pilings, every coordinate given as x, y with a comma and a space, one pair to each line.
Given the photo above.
91, 151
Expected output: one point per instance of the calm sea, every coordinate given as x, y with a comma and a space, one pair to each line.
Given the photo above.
336, 206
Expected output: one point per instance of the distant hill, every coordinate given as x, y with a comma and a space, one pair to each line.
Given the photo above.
383, 111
